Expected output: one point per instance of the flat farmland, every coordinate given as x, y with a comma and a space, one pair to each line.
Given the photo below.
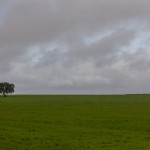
75, 122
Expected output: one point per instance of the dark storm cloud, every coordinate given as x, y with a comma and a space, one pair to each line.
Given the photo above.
65, 46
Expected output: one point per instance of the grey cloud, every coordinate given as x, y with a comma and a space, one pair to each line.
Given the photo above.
42, 21
74, 66
117, 39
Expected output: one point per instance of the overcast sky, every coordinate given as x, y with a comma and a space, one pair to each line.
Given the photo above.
75, 47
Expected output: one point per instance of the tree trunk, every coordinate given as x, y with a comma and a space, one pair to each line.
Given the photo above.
4, 94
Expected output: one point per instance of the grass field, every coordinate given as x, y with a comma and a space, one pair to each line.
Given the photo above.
75, 122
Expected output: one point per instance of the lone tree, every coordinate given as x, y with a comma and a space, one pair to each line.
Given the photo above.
6, 88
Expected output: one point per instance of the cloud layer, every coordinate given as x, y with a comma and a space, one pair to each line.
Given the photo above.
69, 47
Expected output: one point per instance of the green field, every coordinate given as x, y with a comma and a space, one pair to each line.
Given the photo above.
75, 122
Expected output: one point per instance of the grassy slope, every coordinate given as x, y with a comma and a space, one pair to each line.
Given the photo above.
75, 122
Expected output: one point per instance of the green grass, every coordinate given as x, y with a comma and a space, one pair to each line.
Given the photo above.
75, 122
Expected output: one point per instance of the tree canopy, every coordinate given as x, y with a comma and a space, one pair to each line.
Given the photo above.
6, 88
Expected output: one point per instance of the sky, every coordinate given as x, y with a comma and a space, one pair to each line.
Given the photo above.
75, 47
